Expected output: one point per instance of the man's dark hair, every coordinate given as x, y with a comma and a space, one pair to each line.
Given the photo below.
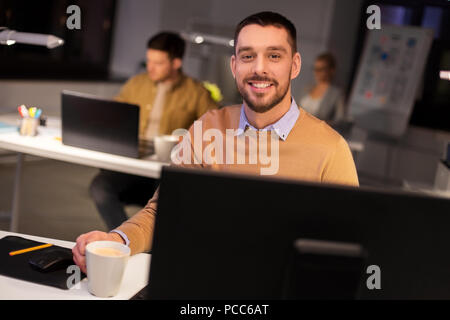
268, 18
169, 42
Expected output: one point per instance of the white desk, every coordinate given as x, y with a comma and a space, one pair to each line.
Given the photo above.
48, 144
135, 278
425, 189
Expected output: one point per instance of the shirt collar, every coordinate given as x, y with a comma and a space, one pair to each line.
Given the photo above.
282, 127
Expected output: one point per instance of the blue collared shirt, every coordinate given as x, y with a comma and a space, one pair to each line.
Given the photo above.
282, 127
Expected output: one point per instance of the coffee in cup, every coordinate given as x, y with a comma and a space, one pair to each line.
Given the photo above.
108, 252
106, 262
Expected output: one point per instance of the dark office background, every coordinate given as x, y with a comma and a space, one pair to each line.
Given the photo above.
85, 53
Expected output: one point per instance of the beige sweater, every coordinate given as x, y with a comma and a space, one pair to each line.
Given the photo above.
313, 151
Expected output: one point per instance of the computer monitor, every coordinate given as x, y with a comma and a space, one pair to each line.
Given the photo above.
227, 236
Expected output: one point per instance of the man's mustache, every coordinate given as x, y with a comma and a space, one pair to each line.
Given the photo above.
260, 78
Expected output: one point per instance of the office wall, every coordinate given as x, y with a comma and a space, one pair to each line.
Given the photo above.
135, 22
344, 29
177, 20
47, 94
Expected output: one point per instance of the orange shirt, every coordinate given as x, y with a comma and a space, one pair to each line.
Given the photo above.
313, 151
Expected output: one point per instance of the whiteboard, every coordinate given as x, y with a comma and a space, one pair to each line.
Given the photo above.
389, 73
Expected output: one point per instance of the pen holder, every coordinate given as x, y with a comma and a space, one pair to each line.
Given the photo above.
28, 126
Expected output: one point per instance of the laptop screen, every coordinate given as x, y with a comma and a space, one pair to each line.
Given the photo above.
101, 125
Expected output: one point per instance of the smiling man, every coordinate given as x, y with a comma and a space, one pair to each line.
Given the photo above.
264, 63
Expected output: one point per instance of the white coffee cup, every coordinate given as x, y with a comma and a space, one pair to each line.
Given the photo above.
106, 262
164, 145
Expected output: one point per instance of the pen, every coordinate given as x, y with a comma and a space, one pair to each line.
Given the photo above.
32, 112
13, 253
23, 111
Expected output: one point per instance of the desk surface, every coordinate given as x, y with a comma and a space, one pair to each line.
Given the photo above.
46, 144
426, 189
135, 278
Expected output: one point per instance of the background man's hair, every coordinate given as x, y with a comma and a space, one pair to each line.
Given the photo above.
169, 42
268, 18
329, 59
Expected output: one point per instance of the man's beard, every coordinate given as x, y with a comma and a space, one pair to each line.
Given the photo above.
261, 108
162, 79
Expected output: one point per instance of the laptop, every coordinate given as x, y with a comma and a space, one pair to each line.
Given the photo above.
103, 125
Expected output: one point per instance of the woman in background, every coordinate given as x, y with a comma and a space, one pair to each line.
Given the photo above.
324, 100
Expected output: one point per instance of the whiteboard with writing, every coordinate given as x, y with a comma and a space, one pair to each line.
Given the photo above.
389, 73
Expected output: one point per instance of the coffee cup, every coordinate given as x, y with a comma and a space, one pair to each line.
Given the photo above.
106, 262
164, 145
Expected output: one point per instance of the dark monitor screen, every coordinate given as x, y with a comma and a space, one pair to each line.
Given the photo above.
226, 236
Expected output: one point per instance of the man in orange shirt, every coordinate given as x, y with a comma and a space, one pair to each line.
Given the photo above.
302, 146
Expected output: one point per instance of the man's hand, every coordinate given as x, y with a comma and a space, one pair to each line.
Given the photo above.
79, 251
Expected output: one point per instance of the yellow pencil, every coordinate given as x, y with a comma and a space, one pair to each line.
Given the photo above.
13, 253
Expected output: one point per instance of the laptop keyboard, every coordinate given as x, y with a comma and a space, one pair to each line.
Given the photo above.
146, 148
